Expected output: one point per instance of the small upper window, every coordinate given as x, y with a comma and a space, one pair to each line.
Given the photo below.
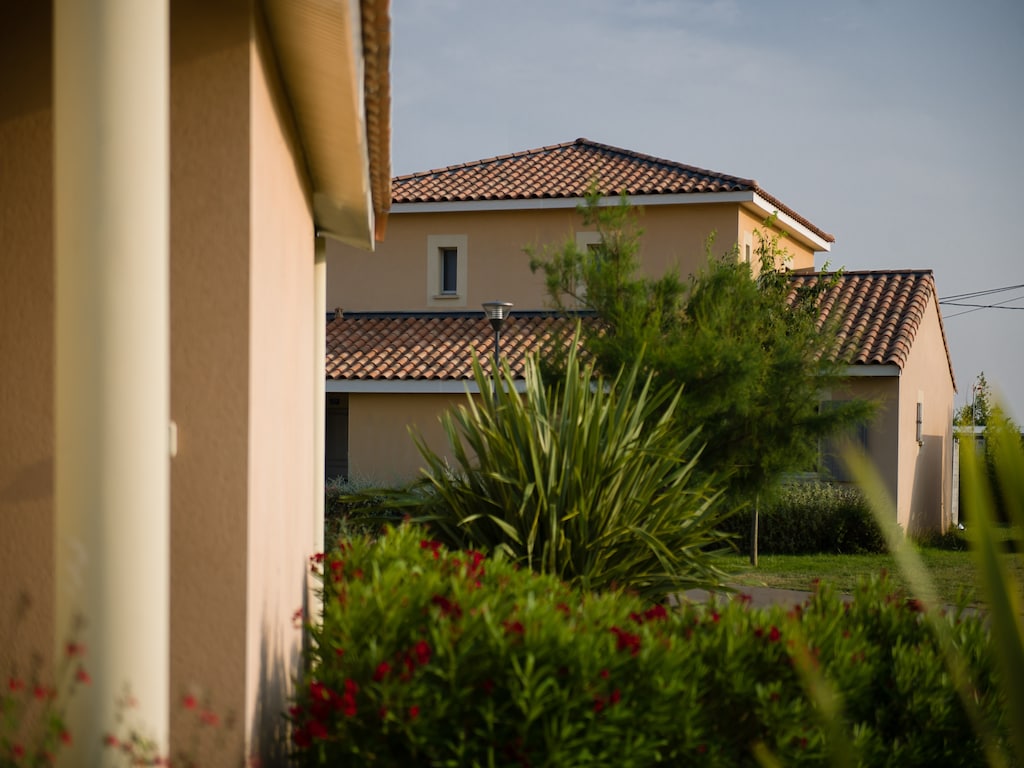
447, 270
449, 261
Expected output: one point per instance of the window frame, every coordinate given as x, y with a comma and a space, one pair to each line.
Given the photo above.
437, 248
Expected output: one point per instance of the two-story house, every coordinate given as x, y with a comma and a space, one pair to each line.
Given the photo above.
407, 321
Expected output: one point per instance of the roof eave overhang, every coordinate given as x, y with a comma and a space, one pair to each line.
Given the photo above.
409, 386
869, 370
748, 199
796, 229
331, 76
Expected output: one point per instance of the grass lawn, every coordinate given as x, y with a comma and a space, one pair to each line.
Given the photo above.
951, 571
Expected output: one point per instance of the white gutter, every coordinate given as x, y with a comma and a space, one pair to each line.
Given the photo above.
749, 198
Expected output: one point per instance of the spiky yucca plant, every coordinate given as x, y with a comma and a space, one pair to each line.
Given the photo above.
589, 480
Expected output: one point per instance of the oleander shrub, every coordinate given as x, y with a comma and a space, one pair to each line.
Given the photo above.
429, 657
812, 518
586, 479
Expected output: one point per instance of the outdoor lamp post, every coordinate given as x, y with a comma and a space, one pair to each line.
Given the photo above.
497, 312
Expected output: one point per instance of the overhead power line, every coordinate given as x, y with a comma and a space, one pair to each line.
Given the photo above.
961, 300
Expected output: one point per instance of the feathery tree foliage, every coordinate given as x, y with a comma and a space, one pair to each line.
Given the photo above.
749, 349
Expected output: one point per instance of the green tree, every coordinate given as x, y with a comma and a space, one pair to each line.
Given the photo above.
1001, 433
750, 352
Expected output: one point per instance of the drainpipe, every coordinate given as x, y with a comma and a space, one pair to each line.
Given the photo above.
113, 361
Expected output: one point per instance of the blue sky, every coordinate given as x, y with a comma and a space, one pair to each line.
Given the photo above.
896, 125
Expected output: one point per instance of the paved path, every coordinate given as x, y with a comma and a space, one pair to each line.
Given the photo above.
760, 597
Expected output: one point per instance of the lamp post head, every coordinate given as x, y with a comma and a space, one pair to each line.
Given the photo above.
497, 312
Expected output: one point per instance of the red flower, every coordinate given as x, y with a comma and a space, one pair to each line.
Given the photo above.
615, 697
598, 704
448, 608
189, 702
82, 676
563, 608
75, 649
110, 740
422, 652
656, 612
65, 737
513, 627
41, 692
604, 673
301, 738
16, 685
414, 712
433, 546
209, 718
715, 617
317, 730
626, 641
18, 751
774, 634
381, 672
382, 712
297, 618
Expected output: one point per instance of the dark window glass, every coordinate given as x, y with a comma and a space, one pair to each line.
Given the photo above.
449, 270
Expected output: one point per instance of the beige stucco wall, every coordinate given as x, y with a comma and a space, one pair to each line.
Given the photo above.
883, 437
801, 256
27, 429
283, 365
381, 449
917, 476
925, 498
242, 295
210, 357
395, 277
242, 380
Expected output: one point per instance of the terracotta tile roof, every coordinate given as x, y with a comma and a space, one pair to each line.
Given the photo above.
431, 346
566, 171
880, 313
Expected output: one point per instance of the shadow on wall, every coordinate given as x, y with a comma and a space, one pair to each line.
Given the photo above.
269, 728
926, 509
